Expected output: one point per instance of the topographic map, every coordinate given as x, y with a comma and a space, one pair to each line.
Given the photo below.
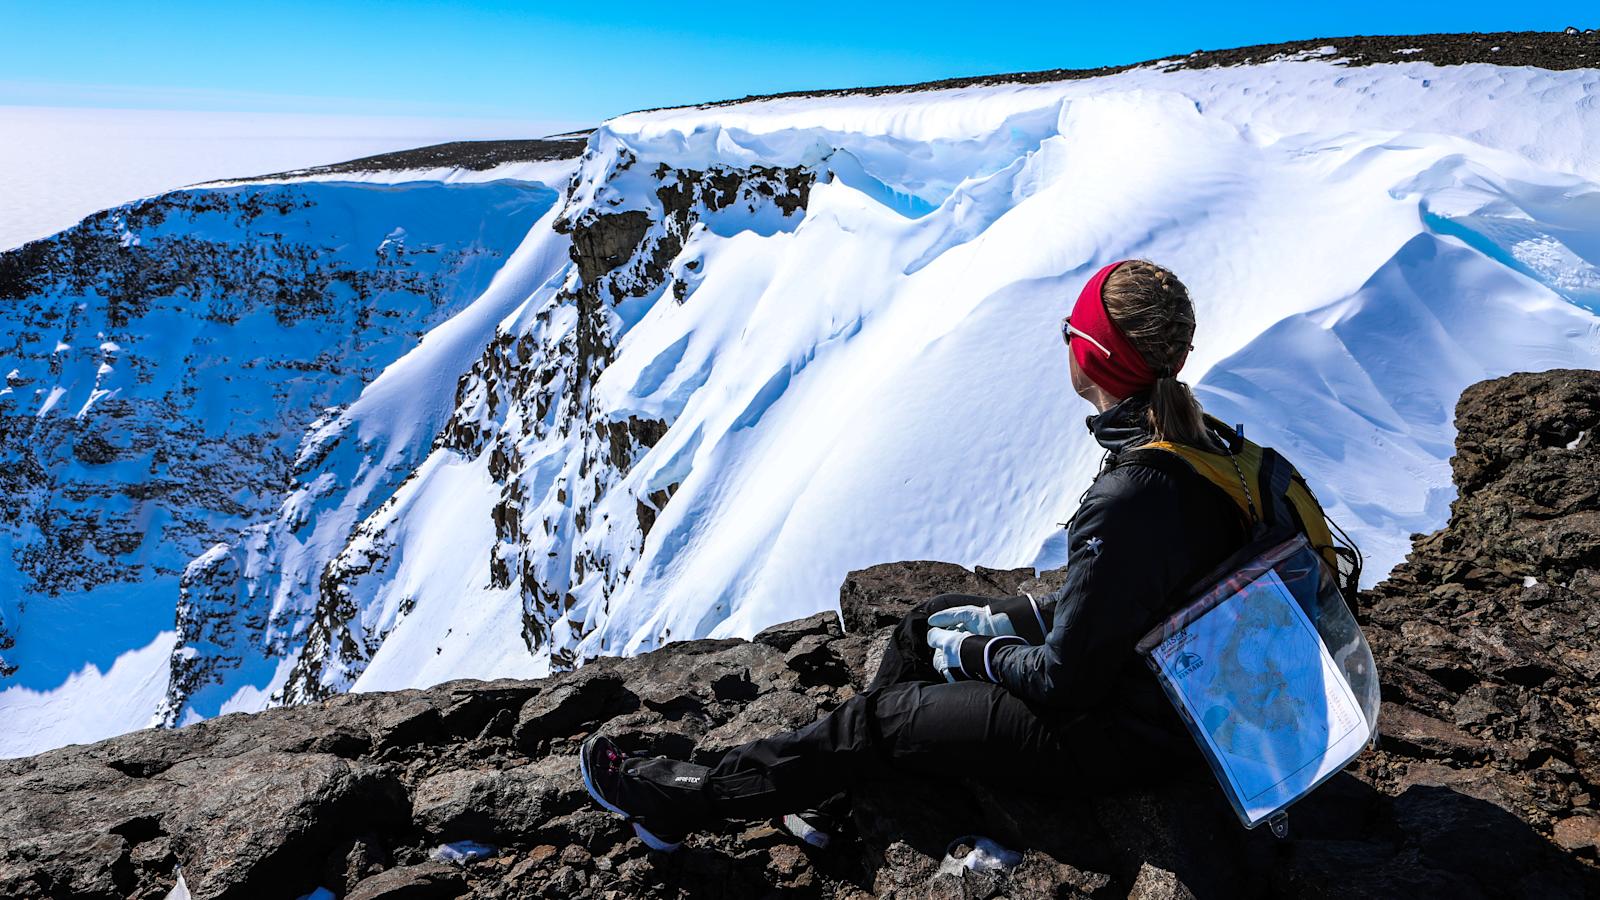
1269, 706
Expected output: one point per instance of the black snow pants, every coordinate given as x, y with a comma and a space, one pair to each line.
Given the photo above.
909, 720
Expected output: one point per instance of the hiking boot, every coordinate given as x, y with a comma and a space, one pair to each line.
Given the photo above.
605, 776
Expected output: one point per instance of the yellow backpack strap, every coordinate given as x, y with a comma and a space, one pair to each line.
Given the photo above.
1234, 475
1268, 491
1292, 497
1263, 484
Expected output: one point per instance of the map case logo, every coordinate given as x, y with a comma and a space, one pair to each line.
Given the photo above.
1186, 662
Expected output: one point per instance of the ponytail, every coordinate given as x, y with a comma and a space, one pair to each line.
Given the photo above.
1152, 308
1175, 414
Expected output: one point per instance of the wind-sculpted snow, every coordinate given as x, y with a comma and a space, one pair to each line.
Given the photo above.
884, 379
757, 346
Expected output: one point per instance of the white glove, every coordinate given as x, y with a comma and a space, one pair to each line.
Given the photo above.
972, 620
946, 646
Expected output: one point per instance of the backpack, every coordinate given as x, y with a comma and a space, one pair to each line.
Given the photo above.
1250, 473
1264, 660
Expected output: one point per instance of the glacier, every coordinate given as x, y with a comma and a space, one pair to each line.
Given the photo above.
747, 348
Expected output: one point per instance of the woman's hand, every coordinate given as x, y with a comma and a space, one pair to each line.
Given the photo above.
946, 644
972, 620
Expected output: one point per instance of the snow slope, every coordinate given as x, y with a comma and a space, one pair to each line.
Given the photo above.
760, 345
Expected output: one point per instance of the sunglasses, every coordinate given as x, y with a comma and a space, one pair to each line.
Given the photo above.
1068, 333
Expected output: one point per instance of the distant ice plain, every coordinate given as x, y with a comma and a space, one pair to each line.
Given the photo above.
60, 164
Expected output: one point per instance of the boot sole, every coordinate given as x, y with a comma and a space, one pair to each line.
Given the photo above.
650, 839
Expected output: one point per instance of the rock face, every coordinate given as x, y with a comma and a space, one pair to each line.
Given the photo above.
1484, 782
1489, 634
177, 367
568, 523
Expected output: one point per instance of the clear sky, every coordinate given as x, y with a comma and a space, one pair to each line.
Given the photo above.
582, 61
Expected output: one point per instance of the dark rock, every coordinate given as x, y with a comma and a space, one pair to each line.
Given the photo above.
1453, 833
1154, 883
471, 155
606, 242
355, 861
877, 597
580, 702
485, 707
1342, 869
816, 661
490, 804
1579, 833
767, 714
242, 825
786, 634
1420, 735
406, 724
428, 881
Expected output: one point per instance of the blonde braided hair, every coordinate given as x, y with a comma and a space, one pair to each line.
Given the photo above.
1151, 307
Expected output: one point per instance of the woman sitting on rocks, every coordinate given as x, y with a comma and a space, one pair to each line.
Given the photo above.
1017, 690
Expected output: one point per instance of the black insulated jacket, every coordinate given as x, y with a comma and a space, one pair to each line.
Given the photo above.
1141, 539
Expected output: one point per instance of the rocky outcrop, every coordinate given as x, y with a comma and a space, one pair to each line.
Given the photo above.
469, 156
1489, 634
1483, 784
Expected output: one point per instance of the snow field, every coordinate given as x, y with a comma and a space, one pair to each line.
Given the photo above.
882, 377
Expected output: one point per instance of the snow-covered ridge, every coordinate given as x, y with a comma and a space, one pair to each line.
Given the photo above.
1573, 48
758, 345
547, 160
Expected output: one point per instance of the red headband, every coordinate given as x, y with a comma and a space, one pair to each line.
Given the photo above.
1106, 356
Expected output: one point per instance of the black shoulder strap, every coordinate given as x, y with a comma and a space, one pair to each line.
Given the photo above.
1273, 488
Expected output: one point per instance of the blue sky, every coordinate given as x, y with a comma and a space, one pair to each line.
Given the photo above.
581, 62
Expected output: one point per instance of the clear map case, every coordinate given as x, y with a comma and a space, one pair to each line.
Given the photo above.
1272, 675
